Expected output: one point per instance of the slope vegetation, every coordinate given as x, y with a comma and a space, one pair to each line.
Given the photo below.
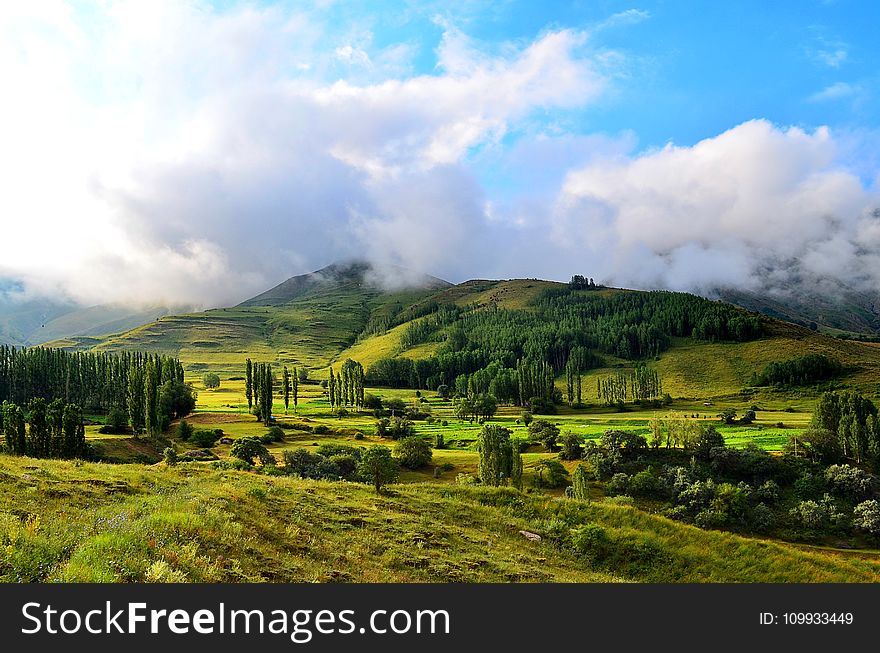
61, 521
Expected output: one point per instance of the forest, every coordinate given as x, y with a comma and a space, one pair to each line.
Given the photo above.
567, 330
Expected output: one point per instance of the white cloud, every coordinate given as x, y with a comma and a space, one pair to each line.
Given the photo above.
836, 91
171, 151
722, 212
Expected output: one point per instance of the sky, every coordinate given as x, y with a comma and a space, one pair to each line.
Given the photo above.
200, 152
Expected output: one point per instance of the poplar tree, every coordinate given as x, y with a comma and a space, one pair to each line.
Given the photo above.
285, 387
295, 380
249, 385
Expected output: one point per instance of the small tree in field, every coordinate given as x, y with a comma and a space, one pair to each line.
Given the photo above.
413, 452
377, 467
496, 454
580, 481
248, 448
211, 381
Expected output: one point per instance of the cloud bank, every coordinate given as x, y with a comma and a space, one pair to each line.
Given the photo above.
175, 152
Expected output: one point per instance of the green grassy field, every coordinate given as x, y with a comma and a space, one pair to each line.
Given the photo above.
67, 521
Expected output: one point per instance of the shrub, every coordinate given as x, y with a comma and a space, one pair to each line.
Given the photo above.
234, 463
643, 484
394, 428
184, 430
768, 492
117, 421
211, 380
276, 433
439, 441
763, 519
345, 464
748, 417
204, 438
248, 448
571, 447
850, 482
413, 452
591, 541
321, 429
372, 402
466, 479
526, 417
619, 484
170, 456
544, 432
866, 516
550, 474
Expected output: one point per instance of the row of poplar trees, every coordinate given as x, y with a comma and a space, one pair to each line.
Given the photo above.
260, 389
347, 387
641, 384
96, 381
44, 430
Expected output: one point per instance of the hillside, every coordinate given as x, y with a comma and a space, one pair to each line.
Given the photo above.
336, 313
64, 521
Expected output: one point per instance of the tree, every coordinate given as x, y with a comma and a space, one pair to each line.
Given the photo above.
580, 481
248, 448
211, 380
544, 432
443, 391
39, 444
516, 465
295, 387
74, 432
526, 417
285, 388
376, 466
571, 447
249, 385
413, 452
728, 415
496, 454
14, 429
550, 474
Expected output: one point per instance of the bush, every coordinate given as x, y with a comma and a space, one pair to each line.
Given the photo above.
619, 484
439, 441
321, 429
748, 417
571, 447
544, 432
541, 406
866, 517
768, 492
763, 519
643, 484
248, 448
346, 465
117, 421
850, 482
275, 433
466, 479
211, 380
550, 474
592, 542
170, 456
372, 402
395, 428
204, 438
184, 430
526, 417
413, 452
234, 463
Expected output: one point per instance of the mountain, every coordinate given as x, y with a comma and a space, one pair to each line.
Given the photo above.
322, 318
353, 275
832, 306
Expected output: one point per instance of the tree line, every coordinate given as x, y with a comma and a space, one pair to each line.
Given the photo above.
572, 323
804, 370
43, 430
347, 387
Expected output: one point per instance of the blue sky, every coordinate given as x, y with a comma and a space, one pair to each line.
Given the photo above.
196, 151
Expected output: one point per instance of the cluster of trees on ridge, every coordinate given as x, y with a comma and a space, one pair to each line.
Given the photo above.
567, 329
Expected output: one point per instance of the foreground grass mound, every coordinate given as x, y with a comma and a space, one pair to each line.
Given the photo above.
69, 521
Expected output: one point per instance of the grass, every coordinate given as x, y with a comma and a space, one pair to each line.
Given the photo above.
86, 522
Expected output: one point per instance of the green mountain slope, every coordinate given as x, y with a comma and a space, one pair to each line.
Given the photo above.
337, 313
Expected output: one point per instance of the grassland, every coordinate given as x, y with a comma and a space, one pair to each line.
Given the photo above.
66, 521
